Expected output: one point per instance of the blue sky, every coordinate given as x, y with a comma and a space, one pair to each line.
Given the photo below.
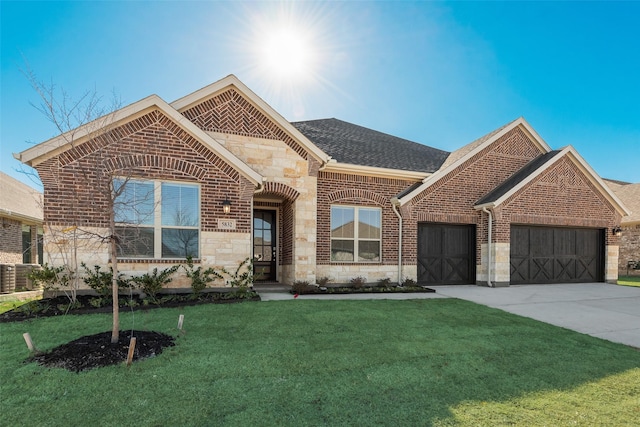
438, 73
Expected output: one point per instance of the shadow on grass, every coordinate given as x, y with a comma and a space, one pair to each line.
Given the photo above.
316, 363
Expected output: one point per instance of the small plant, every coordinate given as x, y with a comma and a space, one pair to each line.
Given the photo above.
408, 282
200, 278
152, 283
384, 283
101, 281
74, 305
97, 302
30, 308
358, 282
302, 287
131, 303
51, 278
242, 280
322, 281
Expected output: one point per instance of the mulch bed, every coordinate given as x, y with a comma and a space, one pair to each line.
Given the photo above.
95, 351
59, 306
350, 289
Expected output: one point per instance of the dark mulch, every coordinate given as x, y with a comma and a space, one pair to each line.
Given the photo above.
95, 351
365, 289
86, 304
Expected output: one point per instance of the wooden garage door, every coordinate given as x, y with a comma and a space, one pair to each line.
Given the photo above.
556, 255
446, 254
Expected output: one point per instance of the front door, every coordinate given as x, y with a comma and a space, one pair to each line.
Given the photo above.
264, 245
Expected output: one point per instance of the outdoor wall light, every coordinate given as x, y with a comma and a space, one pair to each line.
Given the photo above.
617, 231
226, 206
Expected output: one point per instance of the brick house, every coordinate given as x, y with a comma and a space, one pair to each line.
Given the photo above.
630, 227
221, 176
21, 222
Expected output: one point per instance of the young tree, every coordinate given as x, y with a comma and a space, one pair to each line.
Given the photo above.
86, 120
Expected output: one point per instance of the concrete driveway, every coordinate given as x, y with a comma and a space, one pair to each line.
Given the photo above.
602, 310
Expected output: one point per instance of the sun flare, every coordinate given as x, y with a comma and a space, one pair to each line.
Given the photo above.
287, 53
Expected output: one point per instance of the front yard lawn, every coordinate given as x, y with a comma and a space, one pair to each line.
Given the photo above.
307, 362
629, 280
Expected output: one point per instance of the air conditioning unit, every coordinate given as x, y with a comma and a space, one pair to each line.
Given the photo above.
7, 278
23, 283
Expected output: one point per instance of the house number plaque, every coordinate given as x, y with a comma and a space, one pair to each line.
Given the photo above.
226, 224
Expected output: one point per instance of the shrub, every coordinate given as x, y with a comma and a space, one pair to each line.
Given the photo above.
384, 283
408, 282
51, 278
358, 282
322, 281
152, 283
302, 287
240, 279
200, 278
101, 281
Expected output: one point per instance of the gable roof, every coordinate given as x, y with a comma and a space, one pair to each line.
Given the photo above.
536, 167
462, 151
213, 89
530, 169
357, 145
630, 196
20, 201
73, 138
463, 154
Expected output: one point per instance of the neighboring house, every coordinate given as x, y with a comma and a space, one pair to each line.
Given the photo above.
21, 216
221, 176
630, 224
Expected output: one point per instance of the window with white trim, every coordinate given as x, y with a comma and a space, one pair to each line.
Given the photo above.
355, 233
156, 219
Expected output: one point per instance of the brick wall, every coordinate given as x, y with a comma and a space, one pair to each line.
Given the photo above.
230, 112
10, 241
150, 147
451, 199
561, 196
347, 189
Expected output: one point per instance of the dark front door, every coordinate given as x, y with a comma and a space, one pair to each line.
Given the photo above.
264, 245
446, 254
556, 254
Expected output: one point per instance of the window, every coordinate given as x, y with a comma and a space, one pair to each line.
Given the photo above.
157, 219
28, 253
355, 234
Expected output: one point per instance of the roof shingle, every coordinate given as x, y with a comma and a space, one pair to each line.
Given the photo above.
517, 177
357, 145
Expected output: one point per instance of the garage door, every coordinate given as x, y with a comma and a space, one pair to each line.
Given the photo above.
556, 255
446, 254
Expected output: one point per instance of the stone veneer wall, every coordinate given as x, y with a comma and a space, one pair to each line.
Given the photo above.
629, 249
500, 264
290, 179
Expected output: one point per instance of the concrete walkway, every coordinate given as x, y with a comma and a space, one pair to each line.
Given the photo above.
602, 310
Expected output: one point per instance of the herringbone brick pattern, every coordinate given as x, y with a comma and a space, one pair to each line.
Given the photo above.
230, 112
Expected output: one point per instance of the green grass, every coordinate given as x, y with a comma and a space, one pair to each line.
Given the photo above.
10, 305
309, 363
629, 280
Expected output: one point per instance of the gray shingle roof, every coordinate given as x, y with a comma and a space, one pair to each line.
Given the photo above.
357, 145
462, 151
517, 177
